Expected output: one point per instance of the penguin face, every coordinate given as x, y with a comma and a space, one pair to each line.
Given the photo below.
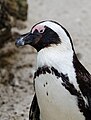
45, 34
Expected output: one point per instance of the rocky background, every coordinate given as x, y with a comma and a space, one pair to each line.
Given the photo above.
15, 69
17, 65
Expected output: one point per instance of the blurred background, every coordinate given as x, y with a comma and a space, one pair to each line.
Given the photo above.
17, 65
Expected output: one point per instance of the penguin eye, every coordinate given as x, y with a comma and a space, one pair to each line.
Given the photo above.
42, 30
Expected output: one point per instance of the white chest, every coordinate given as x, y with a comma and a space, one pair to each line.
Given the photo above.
55, 102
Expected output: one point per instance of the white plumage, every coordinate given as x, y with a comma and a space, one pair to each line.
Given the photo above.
55, 102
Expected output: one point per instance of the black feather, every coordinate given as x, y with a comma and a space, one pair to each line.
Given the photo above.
34, 113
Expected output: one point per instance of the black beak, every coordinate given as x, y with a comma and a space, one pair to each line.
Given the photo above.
29, 38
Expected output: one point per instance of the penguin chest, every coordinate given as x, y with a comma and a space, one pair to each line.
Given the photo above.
55, 102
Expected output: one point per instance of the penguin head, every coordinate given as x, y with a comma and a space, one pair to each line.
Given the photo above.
46, 34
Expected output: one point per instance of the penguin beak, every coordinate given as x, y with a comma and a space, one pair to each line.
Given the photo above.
28, 38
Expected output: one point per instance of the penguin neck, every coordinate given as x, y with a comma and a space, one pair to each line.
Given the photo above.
57, 57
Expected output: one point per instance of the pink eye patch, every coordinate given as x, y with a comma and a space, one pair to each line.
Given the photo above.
40, 28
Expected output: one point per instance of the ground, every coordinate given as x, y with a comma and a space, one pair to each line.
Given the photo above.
75, 16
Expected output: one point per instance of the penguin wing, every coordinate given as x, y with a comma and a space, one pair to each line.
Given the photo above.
34, 113
84, 81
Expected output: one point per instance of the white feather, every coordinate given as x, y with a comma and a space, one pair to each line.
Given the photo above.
60, 58
55, 102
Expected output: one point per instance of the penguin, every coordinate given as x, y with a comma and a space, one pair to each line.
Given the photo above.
62, 84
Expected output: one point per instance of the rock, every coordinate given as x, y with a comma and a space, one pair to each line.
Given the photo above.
17, 8
10, 10
13, 7
22, 11
5, 27
5, 35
